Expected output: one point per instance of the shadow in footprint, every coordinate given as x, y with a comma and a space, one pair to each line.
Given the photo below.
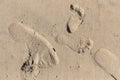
68, 29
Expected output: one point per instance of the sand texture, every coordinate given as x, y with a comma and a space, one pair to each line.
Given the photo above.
59, 40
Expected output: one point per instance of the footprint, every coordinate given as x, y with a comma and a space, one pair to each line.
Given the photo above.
77, 45
73, 23
108, 62
75, 19
41, 53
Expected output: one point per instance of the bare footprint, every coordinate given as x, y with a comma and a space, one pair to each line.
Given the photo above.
77, 45
76, 18
41, 53
108, 62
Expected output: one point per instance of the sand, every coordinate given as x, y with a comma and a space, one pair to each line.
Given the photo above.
59, 40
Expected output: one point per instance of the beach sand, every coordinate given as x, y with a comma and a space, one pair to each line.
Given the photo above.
59, 40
